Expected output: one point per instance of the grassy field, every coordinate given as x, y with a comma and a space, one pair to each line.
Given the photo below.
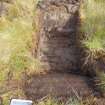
93, 27
16, 44
16, 32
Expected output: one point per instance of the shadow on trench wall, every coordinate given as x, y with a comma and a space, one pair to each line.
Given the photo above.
57, 47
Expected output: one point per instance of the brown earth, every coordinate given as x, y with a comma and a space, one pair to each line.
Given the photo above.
60, 85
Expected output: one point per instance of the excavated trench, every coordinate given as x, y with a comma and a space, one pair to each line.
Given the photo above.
59, 53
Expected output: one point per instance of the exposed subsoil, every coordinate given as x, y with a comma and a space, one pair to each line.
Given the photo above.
59, 85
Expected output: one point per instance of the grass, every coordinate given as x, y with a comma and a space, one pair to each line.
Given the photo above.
9, 95
74, 101
16, 44
93, 15
93, 26
48, 101
16, 32
101, 82
71, 101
